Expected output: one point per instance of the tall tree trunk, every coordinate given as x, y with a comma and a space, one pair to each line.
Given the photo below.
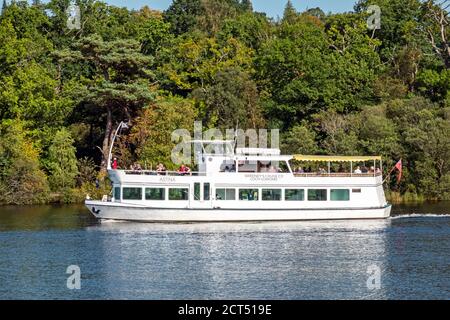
106, 140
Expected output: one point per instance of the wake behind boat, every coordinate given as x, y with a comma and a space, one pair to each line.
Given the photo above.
256, 184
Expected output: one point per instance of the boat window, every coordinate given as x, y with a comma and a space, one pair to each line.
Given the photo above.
155, 194
117, 193
178, 194
247, 166
271, 194
356, 190
228, 166
206, 191
294, 195
196, 191
340, 195
248, 194
132, 193
226, 194
317, 195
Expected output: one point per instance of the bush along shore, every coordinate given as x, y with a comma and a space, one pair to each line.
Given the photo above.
329, 82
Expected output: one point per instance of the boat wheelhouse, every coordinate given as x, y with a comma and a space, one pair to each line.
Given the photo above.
249, 184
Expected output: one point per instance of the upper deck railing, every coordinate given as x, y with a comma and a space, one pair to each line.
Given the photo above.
338, 175
300, 175
163, 173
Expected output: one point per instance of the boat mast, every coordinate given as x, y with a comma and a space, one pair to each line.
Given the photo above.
121, 125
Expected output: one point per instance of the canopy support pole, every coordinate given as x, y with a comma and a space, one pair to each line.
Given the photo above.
374, 167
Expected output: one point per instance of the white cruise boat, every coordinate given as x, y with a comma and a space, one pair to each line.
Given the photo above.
247, 185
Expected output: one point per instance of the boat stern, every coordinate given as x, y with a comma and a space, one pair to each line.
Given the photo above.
387, 210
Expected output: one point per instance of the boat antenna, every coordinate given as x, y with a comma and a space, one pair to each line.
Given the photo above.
236, 136
122, 125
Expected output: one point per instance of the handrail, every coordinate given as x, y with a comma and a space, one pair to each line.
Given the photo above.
302, 175
320, 158
163, 173
337, 175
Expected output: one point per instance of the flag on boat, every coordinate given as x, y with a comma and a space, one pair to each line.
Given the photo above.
399, 167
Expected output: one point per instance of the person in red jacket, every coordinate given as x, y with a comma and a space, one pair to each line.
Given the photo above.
114, 164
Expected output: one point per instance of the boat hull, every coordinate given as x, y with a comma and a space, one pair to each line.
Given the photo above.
112, 211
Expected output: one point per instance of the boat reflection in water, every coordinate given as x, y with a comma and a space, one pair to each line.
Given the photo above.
276, 260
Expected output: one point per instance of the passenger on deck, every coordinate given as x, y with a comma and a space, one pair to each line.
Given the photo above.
364, 169
114, 164
358, 170
299, 170
272, 169
184, 169
161, 169
322, 171
377, 171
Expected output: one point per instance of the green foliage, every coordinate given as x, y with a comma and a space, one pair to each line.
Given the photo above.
182, 15
309, 67
154, 129
194, 61
118, 83
21, 179
232, 99
300, 140
62, 162
331, 85
153, 34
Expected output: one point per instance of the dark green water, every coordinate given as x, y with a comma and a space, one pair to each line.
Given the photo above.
300, 260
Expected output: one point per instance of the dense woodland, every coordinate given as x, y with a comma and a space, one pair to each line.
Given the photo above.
331, 85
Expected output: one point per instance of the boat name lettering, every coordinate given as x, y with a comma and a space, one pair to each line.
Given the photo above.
264, 177
167, 179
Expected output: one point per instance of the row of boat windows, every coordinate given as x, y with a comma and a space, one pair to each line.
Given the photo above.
182, 194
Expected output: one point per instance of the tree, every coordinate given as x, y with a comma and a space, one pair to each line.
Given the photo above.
4, 6
215, 12
300, 140
423, 130
339, 133
182, 15
308, 68
253, 29
118, 86
246, 5
28, 88
290, 15
231, 99
152, 133
438, 30
377, 134
62, 162
193, 62
153, 34
21, 179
